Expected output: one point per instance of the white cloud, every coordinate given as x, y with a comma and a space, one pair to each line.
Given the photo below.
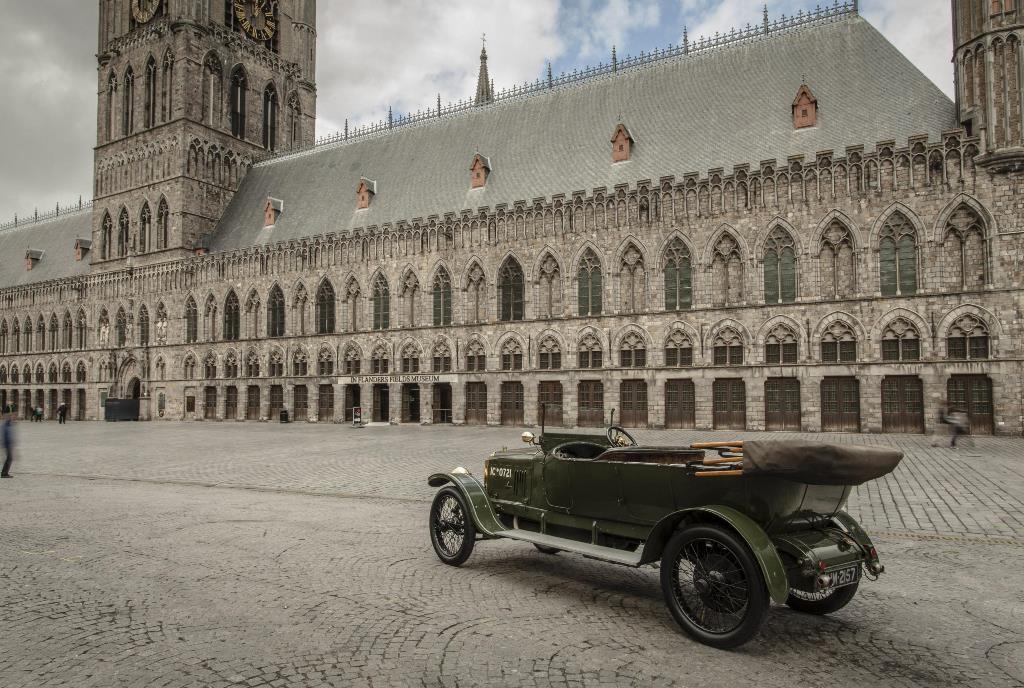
594, 26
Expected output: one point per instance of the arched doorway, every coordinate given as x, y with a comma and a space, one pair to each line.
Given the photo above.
134, 389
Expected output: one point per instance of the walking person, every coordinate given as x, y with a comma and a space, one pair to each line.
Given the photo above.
62, 412
8, 437
957, 425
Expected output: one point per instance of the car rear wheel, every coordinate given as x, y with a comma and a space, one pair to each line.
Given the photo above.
452, 531
713, 586
824, 602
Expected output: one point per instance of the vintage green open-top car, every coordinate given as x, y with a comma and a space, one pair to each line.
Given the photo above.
733, 529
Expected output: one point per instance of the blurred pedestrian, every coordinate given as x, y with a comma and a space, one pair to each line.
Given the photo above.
957, 425
62, 413
8, 436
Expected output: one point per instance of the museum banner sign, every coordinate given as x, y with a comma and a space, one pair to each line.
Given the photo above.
395, 379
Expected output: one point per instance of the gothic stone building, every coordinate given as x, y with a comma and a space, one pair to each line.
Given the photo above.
788, 227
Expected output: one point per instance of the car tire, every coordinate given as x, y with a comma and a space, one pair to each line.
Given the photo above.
714, 586
452, 531
818, 603
544, 549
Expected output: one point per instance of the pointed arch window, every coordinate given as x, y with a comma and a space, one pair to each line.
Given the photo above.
191, 321
632, 280
839, 344
54, 333
300, 364
232, 318
145, 226
123, 233
212, 91
189, 368
728, 348
275, 365
352, 293
162, 221
678, 350
353, 361
512, 354
965, 250
901, 341
781, 346
294, 120
897, 256
210, 318
381, 304
128, 103
40, 335
300, 304
4, 333
727, 272
549, 354
108, 122
588, 283
167, 87
252, 365
67, 331
633, 351
270, 117
779, 267
510, 291
380, 362
51, 373
325, 308
65, 373
475, 295
107, 237
27, 336
678, 277
410, 358
967, 339
325, 363
410, 294
589, 353
210, 366
275, 312
231, 365
15, 374
549, 288
476, 357
442, 358
83, 330
149, 97
239, 92
143, 326
836, 262
80, 372
442, 296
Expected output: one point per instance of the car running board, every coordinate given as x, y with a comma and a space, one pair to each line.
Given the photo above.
610, 554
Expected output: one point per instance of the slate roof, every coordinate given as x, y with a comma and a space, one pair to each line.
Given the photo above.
55, 238
720, 108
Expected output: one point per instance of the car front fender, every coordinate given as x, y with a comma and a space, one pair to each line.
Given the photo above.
760, 544
464, 481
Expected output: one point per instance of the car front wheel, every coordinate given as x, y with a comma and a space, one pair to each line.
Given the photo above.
824, 602
713, 586
452, 531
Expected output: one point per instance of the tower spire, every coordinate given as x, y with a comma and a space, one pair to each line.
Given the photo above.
484, 91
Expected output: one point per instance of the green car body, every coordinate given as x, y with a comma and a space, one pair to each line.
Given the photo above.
624, 504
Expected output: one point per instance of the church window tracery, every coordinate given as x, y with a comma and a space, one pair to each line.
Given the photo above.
510, 291
779, 267
897, 256
589, 286
275, 312
678, 277
381, 304
442, 296
270, 116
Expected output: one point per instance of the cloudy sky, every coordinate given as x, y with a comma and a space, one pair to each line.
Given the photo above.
400, 53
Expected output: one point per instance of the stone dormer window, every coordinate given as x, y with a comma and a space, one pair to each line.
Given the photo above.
365, 193
271, 211
479, 171
622, 143
82, 247
805, 108
32, 256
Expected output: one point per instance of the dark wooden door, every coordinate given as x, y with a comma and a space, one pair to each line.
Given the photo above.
782, 403
902, 404
351, 400
300, 402
325, 404
476, 403
680, 404
231, 403
729, 404
381, 404
840, 404
633, 400
590, 395
252, 403
276, 402
972, 394
442, 402
549, 404
512, 403
210, 403
80, 411
410, 403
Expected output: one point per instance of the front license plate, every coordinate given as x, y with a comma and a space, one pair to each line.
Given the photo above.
847, 576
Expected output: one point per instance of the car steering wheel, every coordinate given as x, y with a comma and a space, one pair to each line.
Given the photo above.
618, 437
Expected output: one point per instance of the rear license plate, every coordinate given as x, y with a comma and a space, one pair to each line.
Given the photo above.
847, 576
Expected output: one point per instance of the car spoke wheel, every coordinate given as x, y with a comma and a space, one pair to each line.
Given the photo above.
713, 586
452, 532
823, 602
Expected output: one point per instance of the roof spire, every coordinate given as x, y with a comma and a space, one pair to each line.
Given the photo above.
484, 91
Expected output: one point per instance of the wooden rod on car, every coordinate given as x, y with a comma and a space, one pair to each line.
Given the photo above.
720, 459
715, 445
701, 474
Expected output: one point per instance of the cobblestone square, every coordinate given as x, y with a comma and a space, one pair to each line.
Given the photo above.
231, 554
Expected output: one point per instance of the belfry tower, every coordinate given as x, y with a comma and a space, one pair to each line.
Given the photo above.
190, 95
988, 73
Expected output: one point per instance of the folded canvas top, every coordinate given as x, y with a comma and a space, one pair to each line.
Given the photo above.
816, 463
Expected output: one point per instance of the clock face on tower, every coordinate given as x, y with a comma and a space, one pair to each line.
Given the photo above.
257, 18
144, 10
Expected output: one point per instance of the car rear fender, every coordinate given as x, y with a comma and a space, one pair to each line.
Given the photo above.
755, 537
483, 516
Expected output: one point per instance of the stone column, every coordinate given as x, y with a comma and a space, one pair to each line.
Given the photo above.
531, 410
426, 403
703, 401
395, 402
493, 400
656, 400
366, 402
459, 401
612, 383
